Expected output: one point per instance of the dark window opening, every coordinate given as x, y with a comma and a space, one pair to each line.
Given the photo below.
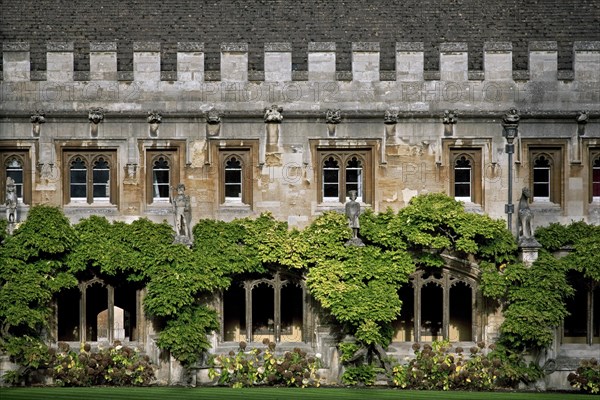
461, 320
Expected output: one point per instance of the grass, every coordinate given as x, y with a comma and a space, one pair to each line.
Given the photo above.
208, 393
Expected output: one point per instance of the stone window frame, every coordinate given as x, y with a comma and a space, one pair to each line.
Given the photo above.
173, 152
23, 155
591, 288
474, 156
90, 156
555, 152
454, 271
594, 155
247, 152
343, 152
277, 281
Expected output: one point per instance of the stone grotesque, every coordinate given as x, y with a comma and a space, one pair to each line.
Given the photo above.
582, 117
525, 216
450, 117
391, 116
182, 211
273, 114
154, 117
333, 116
352, 213
37, 119
96, 115
11, 203
511, 117
213, 117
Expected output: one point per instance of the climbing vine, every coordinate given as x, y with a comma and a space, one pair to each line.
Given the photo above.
355, 286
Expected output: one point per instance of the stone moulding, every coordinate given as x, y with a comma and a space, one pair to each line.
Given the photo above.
190, 46
103, 46
59, 46
278, 47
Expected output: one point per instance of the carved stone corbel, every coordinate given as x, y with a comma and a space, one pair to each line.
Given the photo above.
37, 119
450, 118
332, 118
95, 116
154, 119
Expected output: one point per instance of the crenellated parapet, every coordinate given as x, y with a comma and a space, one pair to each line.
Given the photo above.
410, 88
453, 66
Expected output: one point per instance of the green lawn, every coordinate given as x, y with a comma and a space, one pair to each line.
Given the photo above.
179, 393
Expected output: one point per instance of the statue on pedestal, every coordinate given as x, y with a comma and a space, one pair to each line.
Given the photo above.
353, 212
183, 216
11, 202
527, 243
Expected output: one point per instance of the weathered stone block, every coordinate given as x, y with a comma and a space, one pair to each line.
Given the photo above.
321, 61
497, 61
365, 62
410, 61
234, 62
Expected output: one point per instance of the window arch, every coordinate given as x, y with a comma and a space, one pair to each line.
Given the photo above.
16, 165
542, 184
342, 171
161, 178
545, 166
595, 177
15, 169
235, 175
90, 178
466, 183
463, 177
234, 179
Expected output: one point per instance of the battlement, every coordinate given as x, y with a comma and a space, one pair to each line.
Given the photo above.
410, 62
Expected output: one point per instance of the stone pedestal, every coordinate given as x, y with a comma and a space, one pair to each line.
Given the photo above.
529, 250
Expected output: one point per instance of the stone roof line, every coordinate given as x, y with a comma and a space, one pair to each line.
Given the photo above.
278, 65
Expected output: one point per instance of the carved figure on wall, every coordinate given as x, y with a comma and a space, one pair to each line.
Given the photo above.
352, 213
183, 213
96, 115
450, 117
213, 117
11, 201
390, 116
525, 215
273, 114
511, 117
333, 116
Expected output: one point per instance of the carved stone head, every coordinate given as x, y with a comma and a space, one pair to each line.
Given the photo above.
96, 115
154, 117
333, 116
273, 114
213, 117
391, 116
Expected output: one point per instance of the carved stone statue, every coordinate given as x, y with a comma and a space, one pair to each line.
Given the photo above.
11, 203
525, 216
333, 116
352, 213
183, 215
273, 114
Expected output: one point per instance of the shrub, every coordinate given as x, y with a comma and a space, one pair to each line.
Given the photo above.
115, 366
587, 376
256, 367
361, 374
437, 368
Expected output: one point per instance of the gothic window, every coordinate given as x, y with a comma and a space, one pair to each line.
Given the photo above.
14, 170
546, 183
343, 171
15, 165
462, 179
582, 325
595, 176
235, 179
541, 179
161, 179
270, 308
465, 175
163, 173
437, 304
90, 178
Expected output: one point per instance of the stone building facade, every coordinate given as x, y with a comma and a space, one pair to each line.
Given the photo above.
293, 142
